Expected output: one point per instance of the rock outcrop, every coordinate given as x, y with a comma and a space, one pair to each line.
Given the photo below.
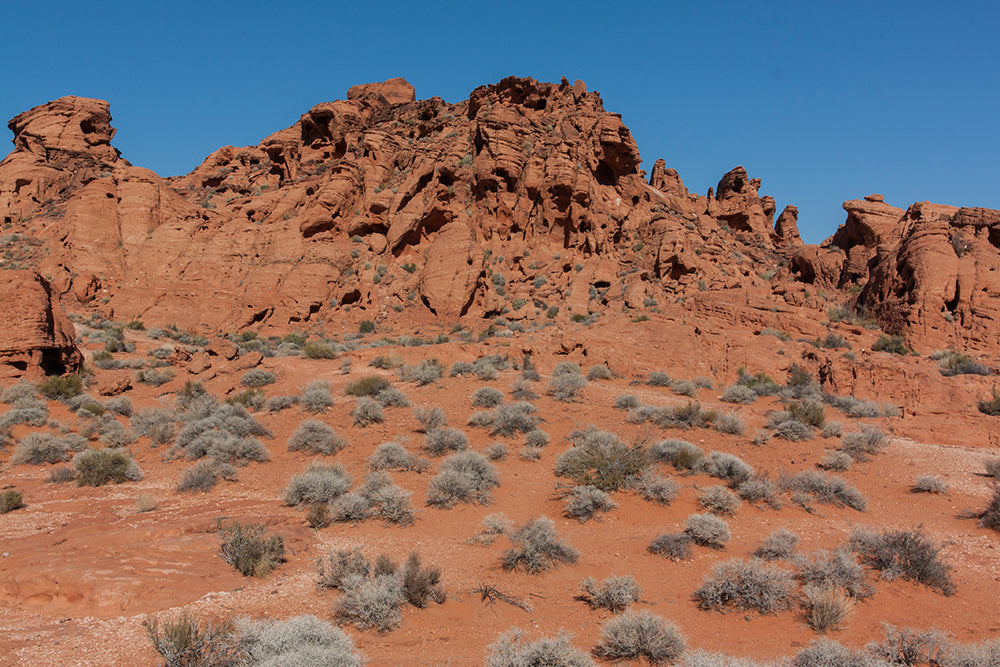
36, 338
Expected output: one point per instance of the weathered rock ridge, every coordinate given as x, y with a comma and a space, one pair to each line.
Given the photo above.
525, 200
36, 337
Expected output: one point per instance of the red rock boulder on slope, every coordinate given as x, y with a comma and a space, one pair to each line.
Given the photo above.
36, 337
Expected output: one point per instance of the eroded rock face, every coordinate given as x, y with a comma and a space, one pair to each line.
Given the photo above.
737, 202
940, 283
36, 338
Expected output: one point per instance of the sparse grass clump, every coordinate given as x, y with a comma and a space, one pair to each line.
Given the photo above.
600, 459
642, 634
466, 477
614, 593
656, 488
827, 608
707, 530
367, 411
904, 554
96, 467
585, 503
185, 641
536, 438
907, 646
626, 402
537, 548
424, 373
746, 585
837, 461
316, 437
204, 475
318, 484
599, 372
154, 377
991, 406
658, 379
316, 396
11, 500
990, 516
249, 549
729, 423
864, 443
893, 344
430, 418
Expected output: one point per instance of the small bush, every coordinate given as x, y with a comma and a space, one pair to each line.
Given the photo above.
154, 377
372, 604
991, 406
279, 403
658, 379
370, 385
566, 368
762, 384
392, 398
729, 468
679, 453
318, 484
707, 530
626, 402
39, 448
301, 640
906, 646
837, 461
421, 584
96, 467
537, 548
367, 411
777, 546
119, 405
155, 423
892, 344
788, 428
393, 456
487, 397
442, 441
19, 392
497, 451
251, 399
990, 516
614, 593
826, 489
719, 500
599, 372
424, 373
250, 550
315, 437
905, 554
928, 484
656, 488
508, 420
992, 468
833, 569
57, 388
759, 490
641, 634
430, 418
566, 387
184, 641
808, 411
366, 327
522, 391
511, 650
536, 438
460, 368
204, 475
864, 443
11, 500
827, 653
586, 502
32, 416
467, 477
675, 546
316, 396
729, 423
340, 565
684, 388
600, 459
746, 585
739, 393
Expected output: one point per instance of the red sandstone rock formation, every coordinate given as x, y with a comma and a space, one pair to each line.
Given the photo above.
36, 338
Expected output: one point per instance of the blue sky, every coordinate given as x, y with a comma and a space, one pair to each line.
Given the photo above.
824, 101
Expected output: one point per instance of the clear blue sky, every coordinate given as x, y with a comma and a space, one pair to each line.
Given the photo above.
824, 101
